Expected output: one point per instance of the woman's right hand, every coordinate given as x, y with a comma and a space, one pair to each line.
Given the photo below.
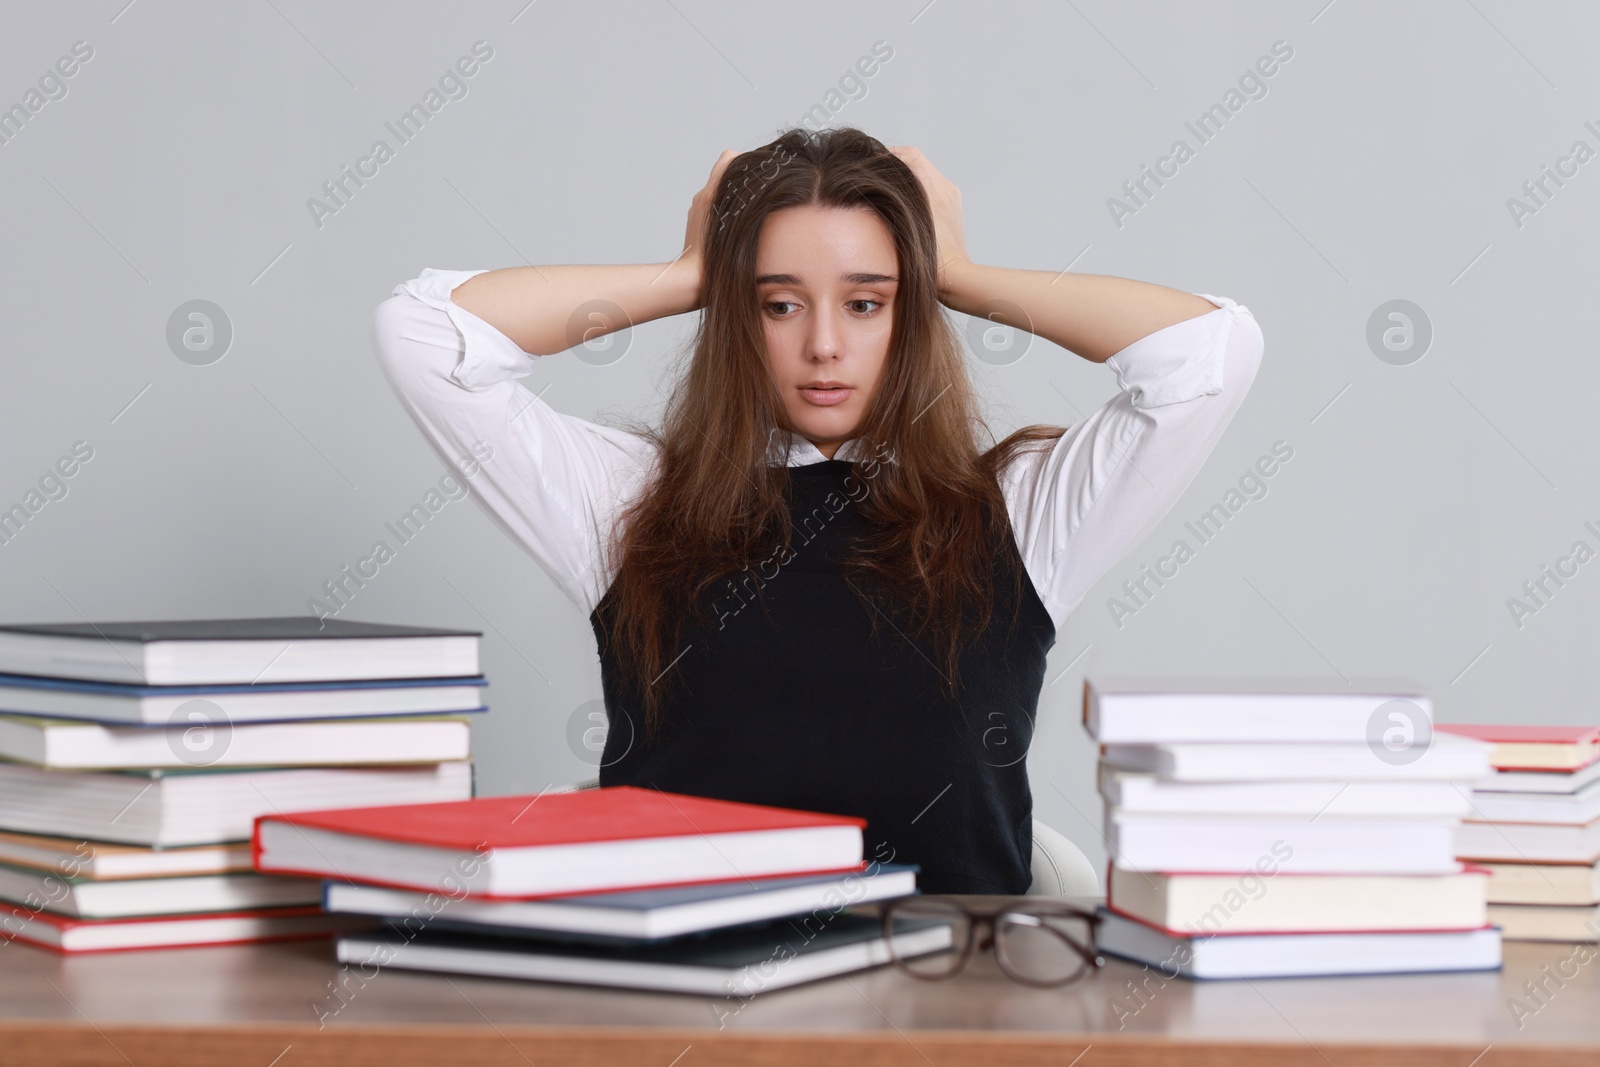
554, 308
696, 233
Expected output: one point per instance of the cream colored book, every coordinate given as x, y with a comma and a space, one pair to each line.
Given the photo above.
1533, 748
1535, 922
103, 861
1256, 903
1543, 883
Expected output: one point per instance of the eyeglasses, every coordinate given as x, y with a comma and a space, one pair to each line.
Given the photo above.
1036, 942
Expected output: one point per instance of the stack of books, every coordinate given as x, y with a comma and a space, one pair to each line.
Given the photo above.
616, 886
1535, 825
1281, 828
135, 758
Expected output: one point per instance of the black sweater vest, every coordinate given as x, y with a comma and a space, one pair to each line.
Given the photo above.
789, 698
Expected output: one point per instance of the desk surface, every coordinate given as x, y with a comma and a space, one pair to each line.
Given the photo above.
248, 1004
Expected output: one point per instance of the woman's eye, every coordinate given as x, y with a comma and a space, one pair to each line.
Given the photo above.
860, 307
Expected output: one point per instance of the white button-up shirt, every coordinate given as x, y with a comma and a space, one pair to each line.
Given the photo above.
557, 483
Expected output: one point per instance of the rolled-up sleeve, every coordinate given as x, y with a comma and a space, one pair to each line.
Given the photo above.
1078, 505
555, 483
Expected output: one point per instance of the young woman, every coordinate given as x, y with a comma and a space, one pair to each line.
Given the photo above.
814, 586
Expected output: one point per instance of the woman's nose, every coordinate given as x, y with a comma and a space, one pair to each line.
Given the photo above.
823, 342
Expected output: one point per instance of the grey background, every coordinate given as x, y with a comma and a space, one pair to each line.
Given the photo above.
1377, 167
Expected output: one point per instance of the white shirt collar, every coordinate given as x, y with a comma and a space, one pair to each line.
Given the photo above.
793, 450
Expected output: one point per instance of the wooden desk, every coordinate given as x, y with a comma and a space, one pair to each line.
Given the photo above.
252, 1006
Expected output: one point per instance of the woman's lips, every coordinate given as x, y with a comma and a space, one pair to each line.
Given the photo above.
825, 398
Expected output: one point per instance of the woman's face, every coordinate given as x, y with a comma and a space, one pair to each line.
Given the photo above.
826, 280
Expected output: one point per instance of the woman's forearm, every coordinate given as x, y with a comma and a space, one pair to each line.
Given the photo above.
1093, 315
538, 308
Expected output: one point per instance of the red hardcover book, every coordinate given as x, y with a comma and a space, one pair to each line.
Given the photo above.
586, 841
60, 933
1533, 748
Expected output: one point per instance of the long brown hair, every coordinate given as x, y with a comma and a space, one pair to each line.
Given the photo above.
715, 506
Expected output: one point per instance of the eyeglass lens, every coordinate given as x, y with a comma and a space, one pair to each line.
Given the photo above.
1039, 947
919, 910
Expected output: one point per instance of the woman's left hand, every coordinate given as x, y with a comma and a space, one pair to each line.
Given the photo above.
945, 200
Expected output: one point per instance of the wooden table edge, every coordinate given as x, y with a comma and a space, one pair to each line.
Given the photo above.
304, 1045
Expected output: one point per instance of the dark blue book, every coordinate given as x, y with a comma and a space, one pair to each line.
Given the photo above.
734, 963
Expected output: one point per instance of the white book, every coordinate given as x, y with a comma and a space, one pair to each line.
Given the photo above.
68, 744
169, 808
1567, 808
1299, 955
644, 914
1136, 791
1301, 846
1497, 781
116, 703
1543, 883
84, 899
294, 648
1528, 842
1145, 710
1447, 758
